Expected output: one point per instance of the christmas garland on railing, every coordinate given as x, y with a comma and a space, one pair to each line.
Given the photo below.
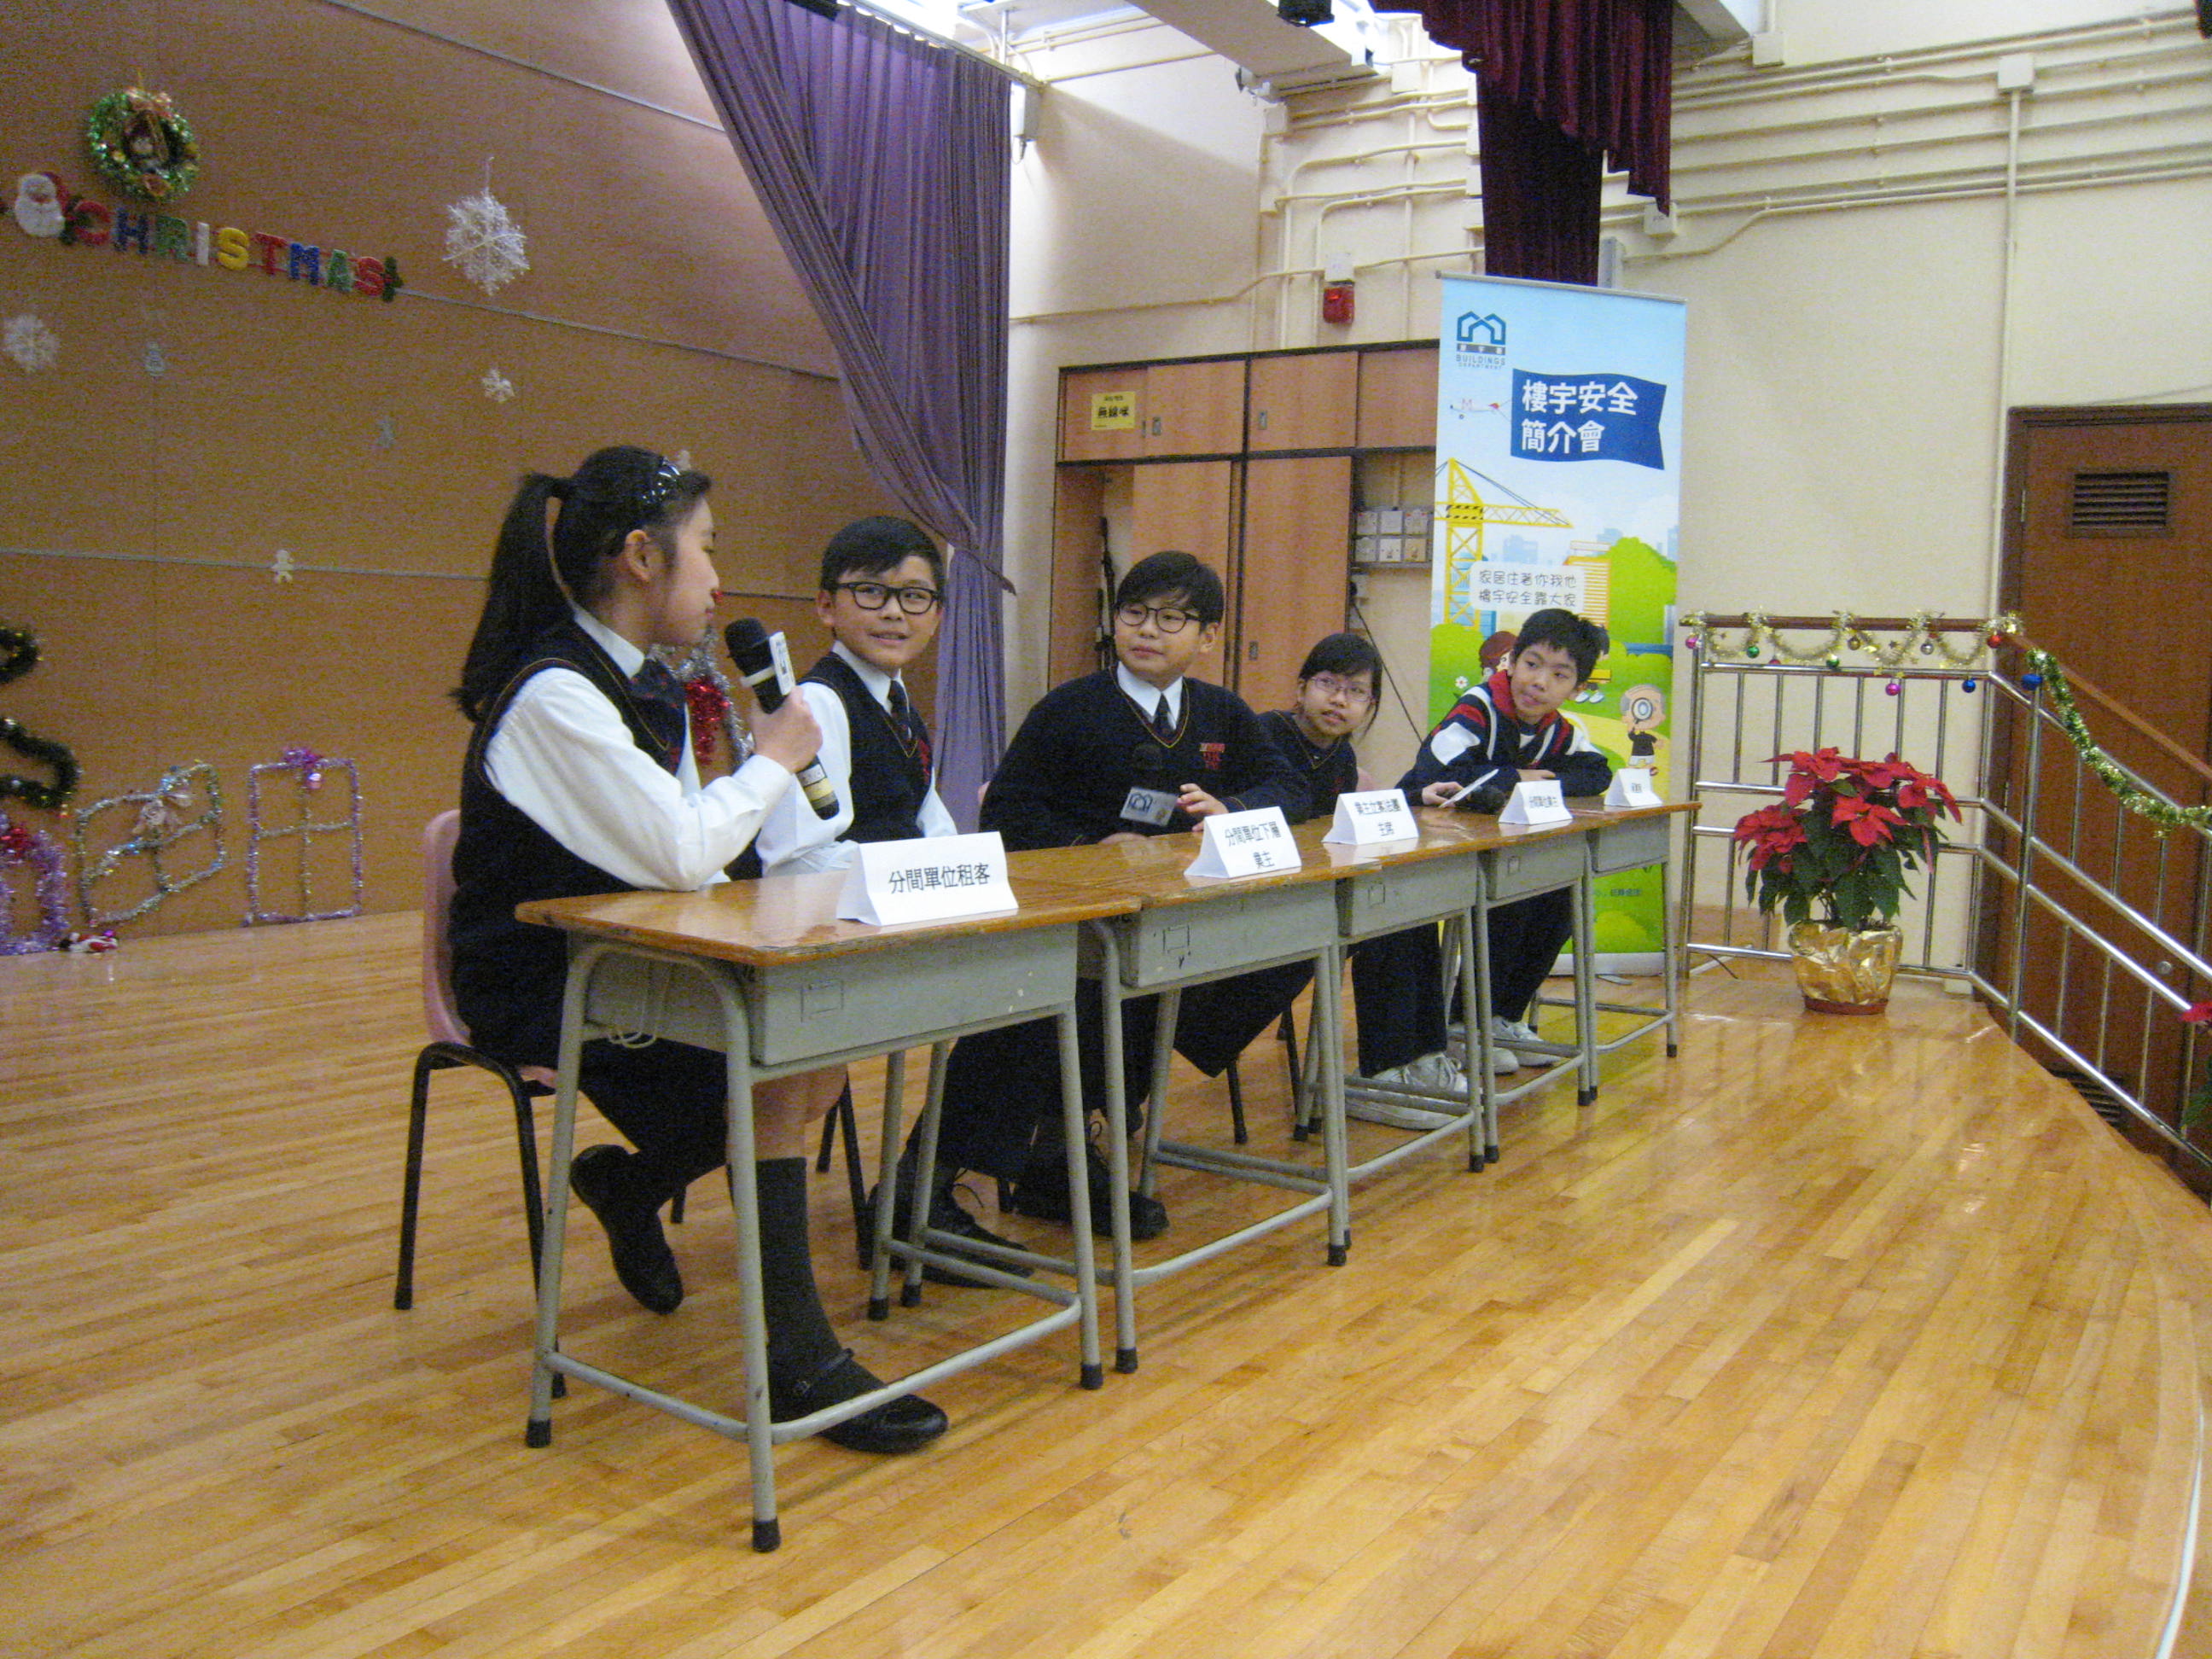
2043, 669
1920, 634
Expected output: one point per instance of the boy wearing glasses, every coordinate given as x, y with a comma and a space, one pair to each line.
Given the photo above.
882, 580
1139, 750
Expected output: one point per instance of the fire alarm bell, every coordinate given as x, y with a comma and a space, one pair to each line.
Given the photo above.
1336, 303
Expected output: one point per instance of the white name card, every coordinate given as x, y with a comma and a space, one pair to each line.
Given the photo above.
926, 879
1536, 800
1632, 787
1246, 844
1372, 815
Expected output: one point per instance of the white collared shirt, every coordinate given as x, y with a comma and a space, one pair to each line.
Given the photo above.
563, 757
1149, 697
794, 837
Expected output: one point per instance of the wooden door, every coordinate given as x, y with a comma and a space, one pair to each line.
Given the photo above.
1398, 398
1189, 507
2110, 569
1305, 400
1102, 413
1194, 409
1293, 572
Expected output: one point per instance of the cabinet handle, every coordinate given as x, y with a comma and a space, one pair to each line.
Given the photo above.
1263, 420
1252, 652
1156, 426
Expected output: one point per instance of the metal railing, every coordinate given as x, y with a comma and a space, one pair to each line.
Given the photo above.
2082, 924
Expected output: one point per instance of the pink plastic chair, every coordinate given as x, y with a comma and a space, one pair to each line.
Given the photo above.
449, 1046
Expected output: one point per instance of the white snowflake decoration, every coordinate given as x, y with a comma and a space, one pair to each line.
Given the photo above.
34, 347
155, 360
279, 568
496, 385
482, 238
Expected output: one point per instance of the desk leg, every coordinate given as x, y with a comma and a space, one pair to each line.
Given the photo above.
1482, 1048
1669, 960
553, 1231
879, 1257
924, 1173
1091, 1373
1163, 1067
1117, 1148
1586, 984
752, 1321
1327, 1037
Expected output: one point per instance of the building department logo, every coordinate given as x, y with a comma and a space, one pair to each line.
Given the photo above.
1480, 340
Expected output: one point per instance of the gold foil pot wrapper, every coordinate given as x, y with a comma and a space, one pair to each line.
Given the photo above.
1843, 972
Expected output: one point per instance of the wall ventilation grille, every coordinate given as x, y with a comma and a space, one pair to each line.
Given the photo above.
2120, 504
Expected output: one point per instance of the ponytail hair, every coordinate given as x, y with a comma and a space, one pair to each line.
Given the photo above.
538, 575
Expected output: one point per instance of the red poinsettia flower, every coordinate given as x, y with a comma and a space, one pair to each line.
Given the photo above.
1868, 821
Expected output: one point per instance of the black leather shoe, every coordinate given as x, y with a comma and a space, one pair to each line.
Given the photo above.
904, 1425
1041, 1194
945, 1215
642, 1257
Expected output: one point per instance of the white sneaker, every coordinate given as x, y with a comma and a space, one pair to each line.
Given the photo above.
1502, 1059
1505, 1033
1431, 1073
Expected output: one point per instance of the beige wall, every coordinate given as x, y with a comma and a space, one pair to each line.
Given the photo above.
1843, 413
144, 512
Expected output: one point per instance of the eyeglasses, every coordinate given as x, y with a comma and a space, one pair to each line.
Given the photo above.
1332, 688
873, 596
1168, 621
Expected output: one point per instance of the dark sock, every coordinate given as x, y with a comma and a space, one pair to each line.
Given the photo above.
800, 1339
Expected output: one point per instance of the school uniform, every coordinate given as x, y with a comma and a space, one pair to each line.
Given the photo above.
1481, 741
580, 780
1100, 754
876, 753
1397, 989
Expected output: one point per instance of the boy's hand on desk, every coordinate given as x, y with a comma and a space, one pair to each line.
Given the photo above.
1436, 795
791, 737
1536, 774
1196, 802
1119, 835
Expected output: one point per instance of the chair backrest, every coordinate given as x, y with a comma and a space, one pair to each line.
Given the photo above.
437, 1016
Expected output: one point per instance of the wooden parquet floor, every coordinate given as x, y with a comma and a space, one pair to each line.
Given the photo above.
1832, 1337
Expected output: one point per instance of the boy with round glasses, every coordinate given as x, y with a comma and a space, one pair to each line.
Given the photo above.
1140, 748
882, 580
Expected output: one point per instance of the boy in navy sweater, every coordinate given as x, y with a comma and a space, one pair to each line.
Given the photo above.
1506, 730
1139, 750
882, 584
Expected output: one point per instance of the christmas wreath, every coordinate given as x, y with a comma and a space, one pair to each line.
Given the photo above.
142, 145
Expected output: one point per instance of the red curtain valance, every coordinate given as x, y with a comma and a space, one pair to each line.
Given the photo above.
1601, 71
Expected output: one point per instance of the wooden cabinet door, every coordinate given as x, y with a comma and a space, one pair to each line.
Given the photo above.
1294, 572
1190, 506
1398, 400
1094, 405
1308, 401
1194, 409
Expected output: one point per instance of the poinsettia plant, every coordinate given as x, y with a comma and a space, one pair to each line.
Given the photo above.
1838, 844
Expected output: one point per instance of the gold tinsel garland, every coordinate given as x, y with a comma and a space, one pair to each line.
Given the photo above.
1920, 634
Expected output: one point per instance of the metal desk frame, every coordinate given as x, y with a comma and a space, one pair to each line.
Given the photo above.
616, 988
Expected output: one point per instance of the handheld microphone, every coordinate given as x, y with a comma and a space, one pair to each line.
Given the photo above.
754, 656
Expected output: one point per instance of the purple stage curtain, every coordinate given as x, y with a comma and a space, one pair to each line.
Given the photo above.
1560, 83
1540, 194
883, 162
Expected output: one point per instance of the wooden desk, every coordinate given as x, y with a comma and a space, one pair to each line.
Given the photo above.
1187, 930
764, 972
1462, 867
